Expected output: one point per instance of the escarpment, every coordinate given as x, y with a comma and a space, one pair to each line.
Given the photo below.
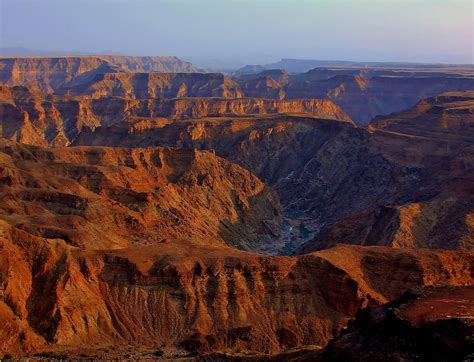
448, 117
362, 93
48, 74
161, 64
118, 247
398, 184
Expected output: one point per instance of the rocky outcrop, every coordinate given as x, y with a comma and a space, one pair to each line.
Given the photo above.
26, 116
424, 324
267, 84
399, 184
362, 93
444, 222
448, 118
219, 107
108, 198
50, 73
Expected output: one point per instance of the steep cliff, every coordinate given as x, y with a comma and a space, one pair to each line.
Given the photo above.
448, 117
321, 169
161, 64
48, 74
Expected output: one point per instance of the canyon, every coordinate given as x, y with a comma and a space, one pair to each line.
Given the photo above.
151, 210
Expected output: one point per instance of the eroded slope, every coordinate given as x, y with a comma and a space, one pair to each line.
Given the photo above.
108, 198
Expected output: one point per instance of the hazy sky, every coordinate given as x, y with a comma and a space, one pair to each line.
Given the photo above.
250, 31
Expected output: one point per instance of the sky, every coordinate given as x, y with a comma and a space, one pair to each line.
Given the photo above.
247, 31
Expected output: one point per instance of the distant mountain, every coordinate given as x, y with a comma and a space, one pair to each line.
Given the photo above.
294, 65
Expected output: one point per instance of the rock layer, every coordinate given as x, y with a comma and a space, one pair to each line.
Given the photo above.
29, 117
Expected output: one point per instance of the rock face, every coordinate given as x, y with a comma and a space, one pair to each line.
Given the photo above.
268, 84
362, 93
425, 324
322, 170
50, 73
219, 107
29, 117
108, 198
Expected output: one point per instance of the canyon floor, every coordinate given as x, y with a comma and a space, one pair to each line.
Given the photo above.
149, 211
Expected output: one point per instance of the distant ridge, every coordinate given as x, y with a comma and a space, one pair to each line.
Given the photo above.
304, 65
